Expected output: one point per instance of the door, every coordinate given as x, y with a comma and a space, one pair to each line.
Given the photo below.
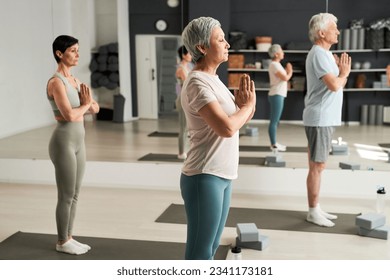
145, 48
156, 67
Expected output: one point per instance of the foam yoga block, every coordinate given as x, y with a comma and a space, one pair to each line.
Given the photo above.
275, 160
259, 245
277, 164
370, 220
251, 131
247, 232
339, 149
379, 232
352, 166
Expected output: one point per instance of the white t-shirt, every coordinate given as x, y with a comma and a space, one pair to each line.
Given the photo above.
322, 106
208, 153
278, 86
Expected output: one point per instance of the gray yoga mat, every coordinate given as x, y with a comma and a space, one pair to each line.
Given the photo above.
173, 158
170, 134
268, 219
163, 134
253, 148
35, 246
384, 145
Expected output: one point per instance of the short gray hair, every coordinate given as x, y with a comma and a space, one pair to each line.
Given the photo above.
198, 33
319, 22
273, 50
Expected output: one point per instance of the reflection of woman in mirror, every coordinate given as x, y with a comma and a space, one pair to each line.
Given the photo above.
278, 81
183, 68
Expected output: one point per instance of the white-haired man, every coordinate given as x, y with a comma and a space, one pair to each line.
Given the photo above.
326, 76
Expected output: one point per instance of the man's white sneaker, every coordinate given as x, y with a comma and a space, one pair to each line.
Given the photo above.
319, 220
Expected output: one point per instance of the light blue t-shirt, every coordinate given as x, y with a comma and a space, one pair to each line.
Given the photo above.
322, 106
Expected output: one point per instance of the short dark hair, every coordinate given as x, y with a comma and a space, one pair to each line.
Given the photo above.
182, 51
61, 43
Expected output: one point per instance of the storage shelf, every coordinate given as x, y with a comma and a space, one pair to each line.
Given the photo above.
374, 70
256, 70
361, 51
365, 89
345, 89
306, 51
263, 89
369, 70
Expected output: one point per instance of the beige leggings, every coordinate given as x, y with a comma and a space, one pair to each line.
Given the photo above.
67, 152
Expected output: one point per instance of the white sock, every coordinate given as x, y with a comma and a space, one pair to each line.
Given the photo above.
314, 216
325, 214
70, 248
82, 245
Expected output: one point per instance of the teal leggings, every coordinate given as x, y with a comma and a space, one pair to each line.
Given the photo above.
206, 200
67, 152
276, 108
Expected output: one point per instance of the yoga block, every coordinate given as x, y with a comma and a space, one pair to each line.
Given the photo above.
339, 149
273, 158
379, 232
247, 232
352, 166
370, 220
261, 243
251, 131
276, 164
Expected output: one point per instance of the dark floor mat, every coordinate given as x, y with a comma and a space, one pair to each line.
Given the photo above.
253, 148
173, 158
36, 246
268, 219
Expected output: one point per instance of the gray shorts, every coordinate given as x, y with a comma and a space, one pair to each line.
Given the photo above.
319, 141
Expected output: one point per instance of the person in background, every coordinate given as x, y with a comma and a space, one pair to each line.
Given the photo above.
183, 68
70, 100
326, 76
214, 117
278, 81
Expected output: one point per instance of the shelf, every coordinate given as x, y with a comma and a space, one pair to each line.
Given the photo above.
264, 89
306, 51
256, 70
369, 70
360, 51
373, 70
345, 90
365, 89
265, 52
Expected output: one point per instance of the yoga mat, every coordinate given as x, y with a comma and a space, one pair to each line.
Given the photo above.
268, 219
163, 134
171, 134
36, 246
160, 157
252, 148
173, 158
384, 145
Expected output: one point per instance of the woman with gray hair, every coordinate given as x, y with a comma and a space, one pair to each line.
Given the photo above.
326, 75
278, 91
214, 117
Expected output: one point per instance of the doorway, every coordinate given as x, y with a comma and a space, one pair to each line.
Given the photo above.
156, 58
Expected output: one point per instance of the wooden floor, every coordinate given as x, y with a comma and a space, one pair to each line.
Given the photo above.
127, 142
130, 213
